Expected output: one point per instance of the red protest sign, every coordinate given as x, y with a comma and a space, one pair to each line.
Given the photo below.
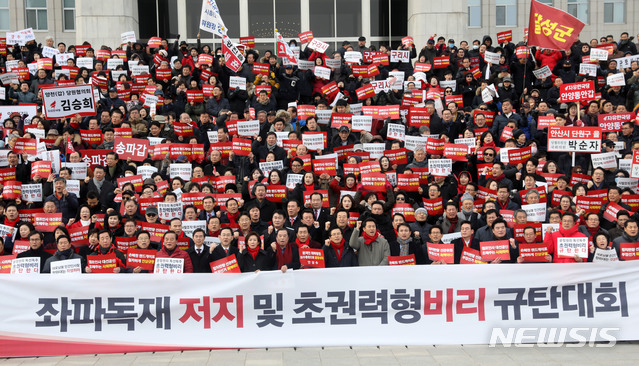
365, 92
441, 252
613, 122
341, 119
79, 235
471, 256
441, 62
506, 36
589, 204
456, 152
183, 129
533, 252
552, 28
436, 146
418, 117
491, 250
574, 139
519, 156
397, 156
26, 146
102, 263
135, 149
576, 92
276, 193
225, 265
404, 260
434, 206
242, 147
629, 251
305, 37
136, 180
47, 222
143, 258
196, 96
312, 258
420, 67
12, 190
41, 169
260, 68
405, 209
408, 182
91, 137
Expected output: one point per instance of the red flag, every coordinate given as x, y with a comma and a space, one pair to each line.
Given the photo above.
233, 57
552, 28
70, 149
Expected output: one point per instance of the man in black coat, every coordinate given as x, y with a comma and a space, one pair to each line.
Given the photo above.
102, 187
261, 150
36, 249
467, 240
224, 249
199, 253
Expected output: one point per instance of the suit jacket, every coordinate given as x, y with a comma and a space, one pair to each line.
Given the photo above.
459, 247
200, 261
219, 253
106, 193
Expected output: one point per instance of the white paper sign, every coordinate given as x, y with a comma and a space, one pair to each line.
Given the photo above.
237, 82
318, 45
588, 69
616, 80
605, 255
604, 160
400, 56
68, 266
352, 56
625, 164
188, 227
323, 116
248, 128
20, 37
168, 266
73, 186
113, 63
448, 84
86, 62
32, 192
322, 72
169, 210
9, 78
543, 72
396, 131
314, 141
544, 227
49, 52
331, 62
492, 57
29, 265
293, 179
78, 170
598, 54
569, 247
61, 58
535, 212
362, 123
128, 37
268, 166
146, 171
440, 167
182, 170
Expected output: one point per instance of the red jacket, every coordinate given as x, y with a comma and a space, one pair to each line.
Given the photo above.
551, 242
177, 253
548, 59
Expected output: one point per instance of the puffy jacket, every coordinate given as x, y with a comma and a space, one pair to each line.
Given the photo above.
551, 242
374, 254
177, 253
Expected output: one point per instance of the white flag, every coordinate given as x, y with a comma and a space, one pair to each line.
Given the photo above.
210, 20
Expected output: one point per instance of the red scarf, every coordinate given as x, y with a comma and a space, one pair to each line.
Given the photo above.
11, 223
592, 231
453, 224
110, 251
253, 252
300, 244
232, 217
489, 144
369, 239
461, 188
338, 249
214, 234
499, 177
284, 258
309, 188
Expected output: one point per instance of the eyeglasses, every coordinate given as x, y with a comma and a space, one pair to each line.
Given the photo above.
483, 109
400, 199
489, 154
151, 215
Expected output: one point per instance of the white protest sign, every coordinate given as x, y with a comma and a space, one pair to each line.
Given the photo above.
313, 141
448, 238
598, 54
49, 52
323, 116
413, 142
400, 56
127, 37
73, 186
440, 167
61, 58
20, 37
616, 80
182, 170
376, 150
188, 227
492, 57
318, 45
62, 102
624, 183
113, 64
569, 247
604, 160
588, 69
9, 78
146, 171
356, 108
36, 132
268, 166
248, 128
362, 123
140, 70
331, 62
158, 140
396, 131
625, 164
322, 72
380, 86
544, 228
486, 96
32, 192
78, 170
305, 65
29, 265
237, 82
605, 255
86, 62
352, 56
542, 72
168, 266
293, 179
535, 212
449, 84
212, 136
68, 266
169, 210
625, 62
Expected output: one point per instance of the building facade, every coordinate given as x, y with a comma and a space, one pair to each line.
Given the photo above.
333, 21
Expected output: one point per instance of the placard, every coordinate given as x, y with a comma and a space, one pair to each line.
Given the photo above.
569, 247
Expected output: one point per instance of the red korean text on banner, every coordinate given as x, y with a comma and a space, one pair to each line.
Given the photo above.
491, 250
506, 36
40, 169
242, 147
225, 265
135, 149
433, 206
143, 258
102, 263
629, 251
533, 252
404, 260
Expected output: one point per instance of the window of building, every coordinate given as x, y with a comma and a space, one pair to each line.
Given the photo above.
68, 14
474, 13
547, 2
36, 14
506, 13
349, 18
5, 23
288, 18
579, 9
322, 17
614, 11
158, 18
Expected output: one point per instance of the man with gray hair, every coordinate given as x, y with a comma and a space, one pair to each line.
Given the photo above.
65, 202
419, 159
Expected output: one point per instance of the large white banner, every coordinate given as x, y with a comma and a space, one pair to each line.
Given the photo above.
363, 306
62, 102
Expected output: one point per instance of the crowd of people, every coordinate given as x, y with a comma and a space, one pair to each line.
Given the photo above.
483, 198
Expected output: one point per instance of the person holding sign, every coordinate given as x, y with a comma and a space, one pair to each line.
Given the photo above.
170, 249
567, 229
406, 244
373, 249
602, 243
224, 249
64, 252
467, 240
106, 247
287, 255
36, 249
336, 252
630, 235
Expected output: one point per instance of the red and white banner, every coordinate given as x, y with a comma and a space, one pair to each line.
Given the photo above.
463, 305
574, 139
62, 102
